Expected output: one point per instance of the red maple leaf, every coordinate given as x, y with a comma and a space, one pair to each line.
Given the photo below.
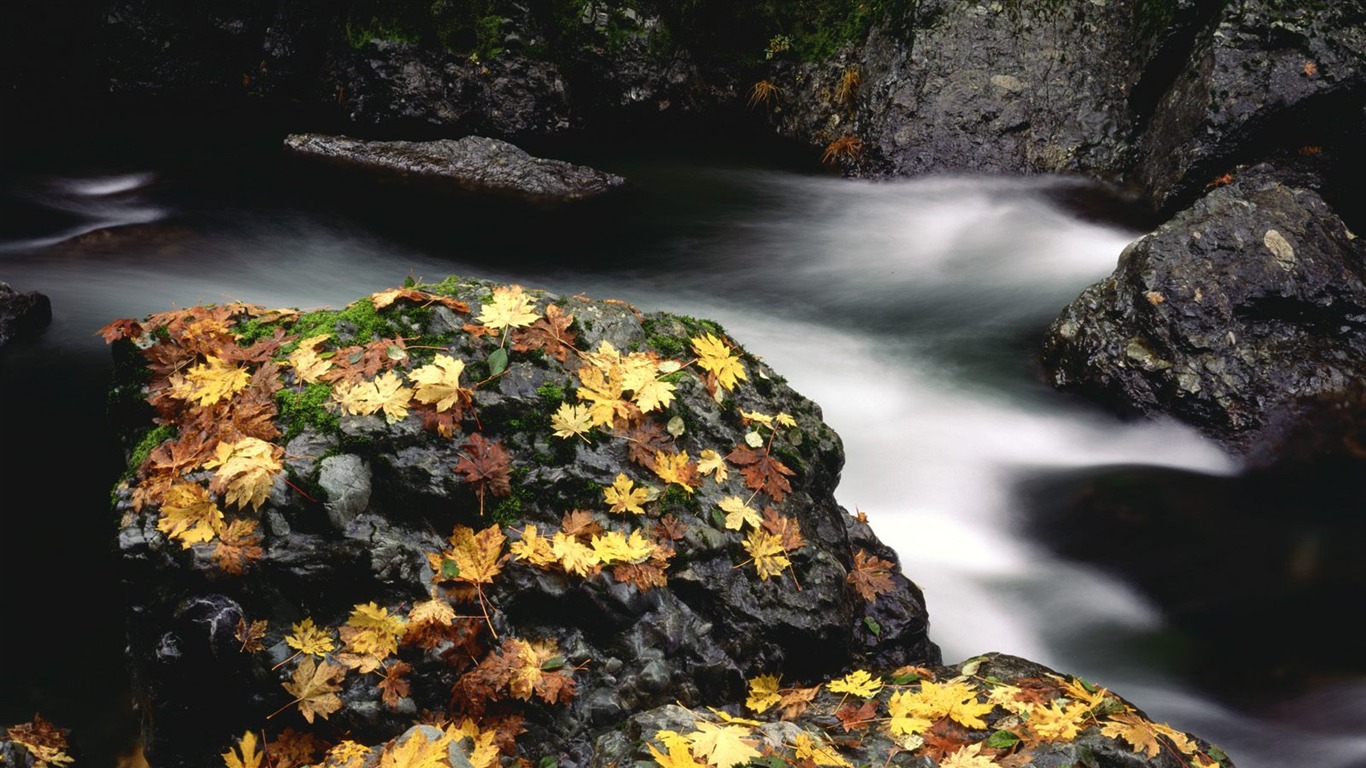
486, 466
762, 472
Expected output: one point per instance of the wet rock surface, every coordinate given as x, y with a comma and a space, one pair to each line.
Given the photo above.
1248, 303
474, 164
362, 512
23, 314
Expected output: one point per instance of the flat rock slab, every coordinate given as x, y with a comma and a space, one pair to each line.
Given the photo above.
473, 163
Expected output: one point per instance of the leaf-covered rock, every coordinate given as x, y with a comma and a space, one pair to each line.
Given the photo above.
527, 563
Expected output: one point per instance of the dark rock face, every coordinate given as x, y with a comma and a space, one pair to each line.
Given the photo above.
1249, 302
397, 84
363, 508
23, 314
1262, 78
987, 91
473, 163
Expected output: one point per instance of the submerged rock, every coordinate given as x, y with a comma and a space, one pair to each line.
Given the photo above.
1250, 302
23, 314
473, 163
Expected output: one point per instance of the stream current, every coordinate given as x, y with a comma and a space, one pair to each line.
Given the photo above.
911, 311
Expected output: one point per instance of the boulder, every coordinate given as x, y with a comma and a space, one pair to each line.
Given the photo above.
1261, 79
473, 163
1249, 303
23, 314
670, 522
542, 529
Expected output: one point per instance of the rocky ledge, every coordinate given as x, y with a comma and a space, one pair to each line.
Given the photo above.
483, 525
1248, 305
23, 314
473, 163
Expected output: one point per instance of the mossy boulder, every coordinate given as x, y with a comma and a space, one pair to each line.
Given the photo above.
668, 536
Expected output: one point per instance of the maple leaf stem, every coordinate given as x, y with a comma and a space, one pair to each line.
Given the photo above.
479, 590
282, 709
292, 656
301, 491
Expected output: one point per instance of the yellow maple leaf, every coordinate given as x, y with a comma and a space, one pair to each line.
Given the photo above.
418, 751
384, 393
308, 365
315, 686
210, 381
433, 611
763, 693
710, 462
676, 468
623, 496
605, 396
188, 515
807, 747
615, 547
477, 555
719, 359
509, 308
738, 513
484, 750
955, 699
968, 756
653, 395
439, 382
1061, 720
724, 746
1135, 730
347, 754
572, 421
858, 683
679, 753
574, 555
246, 755
376, 631
907, 719
533, 547
766, 550
308, 638
246, 470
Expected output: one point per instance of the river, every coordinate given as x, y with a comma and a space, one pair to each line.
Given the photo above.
910, 310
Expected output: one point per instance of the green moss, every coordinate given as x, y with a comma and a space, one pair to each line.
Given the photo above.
307, 408
447, 287
358, 323
676, 500
148, 443
553, 394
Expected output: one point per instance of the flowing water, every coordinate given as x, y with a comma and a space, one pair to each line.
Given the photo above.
910, 310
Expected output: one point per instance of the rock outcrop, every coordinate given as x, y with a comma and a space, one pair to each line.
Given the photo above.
553, 528
1251, 302
472, 164
23, 314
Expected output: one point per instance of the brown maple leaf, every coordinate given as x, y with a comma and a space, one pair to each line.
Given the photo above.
871, 575
854, 717
762, 472
785, 528
239, 543
250, 634
314, 688
580, 523
944, 738
550, 334
795, 701
644, 440
123, 328
385, 298
486, 466
292, 749
393, 688
670, 528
